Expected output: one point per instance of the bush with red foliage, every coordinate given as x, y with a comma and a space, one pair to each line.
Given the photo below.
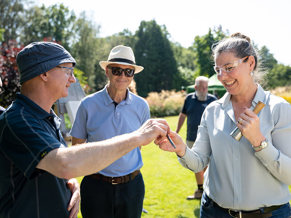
9, 72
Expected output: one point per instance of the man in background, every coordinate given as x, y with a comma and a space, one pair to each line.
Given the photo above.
193, 108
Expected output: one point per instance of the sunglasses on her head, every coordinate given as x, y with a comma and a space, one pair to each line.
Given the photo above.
117, 71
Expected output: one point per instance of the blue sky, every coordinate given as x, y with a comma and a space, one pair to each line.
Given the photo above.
266, 22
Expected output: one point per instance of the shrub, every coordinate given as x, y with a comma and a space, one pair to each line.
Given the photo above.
165, 103
283, 92
9, 72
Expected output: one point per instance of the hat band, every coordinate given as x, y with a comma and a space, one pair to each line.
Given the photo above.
121, 60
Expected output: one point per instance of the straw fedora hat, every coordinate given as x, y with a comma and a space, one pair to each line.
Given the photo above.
121, 55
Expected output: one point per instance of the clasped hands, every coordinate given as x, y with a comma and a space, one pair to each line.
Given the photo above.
157, 130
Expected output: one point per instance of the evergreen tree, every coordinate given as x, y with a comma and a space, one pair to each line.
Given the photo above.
267, 59
153, 51
202, 47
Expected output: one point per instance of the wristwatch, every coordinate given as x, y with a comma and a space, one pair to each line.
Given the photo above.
263, 145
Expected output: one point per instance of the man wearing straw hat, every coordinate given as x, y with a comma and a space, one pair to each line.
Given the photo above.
118, 190
37, 169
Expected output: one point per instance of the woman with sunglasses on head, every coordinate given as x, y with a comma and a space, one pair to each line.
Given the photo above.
246, 177
118, 190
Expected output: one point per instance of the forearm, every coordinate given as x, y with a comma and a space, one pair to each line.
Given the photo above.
276, 162
192, 161
88, 158
181, 120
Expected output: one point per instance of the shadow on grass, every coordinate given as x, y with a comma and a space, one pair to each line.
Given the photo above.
196, 212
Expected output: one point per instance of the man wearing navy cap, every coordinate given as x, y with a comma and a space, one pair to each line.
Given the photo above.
36, 167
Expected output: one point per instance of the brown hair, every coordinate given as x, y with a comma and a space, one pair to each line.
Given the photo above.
240, 45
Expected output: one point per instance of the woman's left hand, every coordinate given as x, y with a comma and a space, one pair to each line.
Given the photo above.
249, 125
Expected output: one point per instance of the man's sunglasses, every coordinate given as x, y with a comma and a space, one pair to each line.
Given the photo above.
117, 71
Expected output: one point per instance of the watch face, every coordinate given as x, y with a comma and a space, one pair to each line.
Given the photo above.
263, 144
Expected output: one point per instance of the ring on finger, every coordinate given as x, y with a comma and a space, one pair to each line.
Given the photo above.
240, 120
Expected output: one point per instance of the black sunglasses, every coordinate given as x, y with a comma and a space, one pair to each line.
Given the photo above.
117, 71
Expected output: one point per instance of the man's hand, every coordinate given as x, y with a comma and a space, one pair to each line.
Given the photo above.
152, 129
75, 199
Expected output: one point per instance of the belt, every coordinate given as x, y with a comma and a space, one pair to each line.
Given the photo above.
116, 180
263, 212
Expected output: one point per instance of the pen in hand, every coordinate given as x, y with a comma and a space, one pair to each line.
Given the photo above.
170, 140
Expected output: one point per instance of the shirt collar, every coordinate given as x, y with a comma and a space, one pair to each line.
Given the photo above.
259, 96
108, 100
35, 109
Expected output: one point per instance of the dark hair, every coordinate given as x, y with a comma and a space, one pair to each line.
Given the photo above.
240, 45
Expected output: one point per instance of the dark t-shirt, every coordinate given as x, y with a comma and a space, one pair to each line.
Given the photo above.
27, 134
194, 109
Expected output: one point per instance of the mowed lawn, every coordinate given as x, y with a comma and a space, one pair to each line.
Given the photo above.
167, 183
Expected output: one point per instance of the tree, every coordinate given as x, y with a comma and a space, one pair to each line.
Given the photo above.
186, 63
1, 35
11, 19
153, 51
202, 47
85, 48
55, 23
267, 59
279, 75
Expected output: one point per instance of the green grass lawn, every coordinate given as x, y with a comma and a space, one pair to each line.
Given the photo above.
167, 183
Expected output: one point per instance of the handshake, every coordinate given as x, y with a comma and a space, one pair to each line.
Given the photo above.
159, 131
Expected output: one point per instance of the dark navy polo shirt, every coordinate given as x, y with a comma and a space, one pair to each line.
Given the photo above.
27, 134
194, 109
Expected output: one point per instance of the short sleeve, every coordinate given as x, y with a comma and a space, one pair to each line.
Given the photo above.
184, 108
146, 114
79, 128
25, 142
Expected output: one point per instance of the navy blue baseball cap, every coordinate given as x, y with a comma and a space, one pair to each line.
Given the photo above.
40, 57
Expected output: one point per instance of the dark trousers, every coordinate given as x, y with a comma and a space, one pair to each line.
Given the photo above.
209, 209
100, 199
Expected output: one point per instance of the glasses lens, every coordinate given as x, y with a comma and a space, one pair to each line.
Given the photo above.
216, 69
229, 68
128, 72
117, 71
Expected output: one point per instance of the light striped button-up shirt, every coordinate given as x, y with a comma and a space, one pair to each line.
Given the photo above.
238, 177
